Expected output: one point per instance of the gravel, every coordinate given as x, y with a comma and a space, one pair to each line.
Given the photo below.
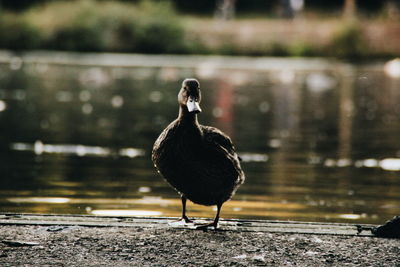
24, 245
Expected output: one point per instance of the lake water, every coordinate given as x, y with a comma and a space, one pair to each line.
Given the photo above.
319, 139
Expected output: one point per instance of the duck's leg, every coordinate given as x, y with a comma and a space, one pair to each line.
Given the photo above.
214, 223
184, 217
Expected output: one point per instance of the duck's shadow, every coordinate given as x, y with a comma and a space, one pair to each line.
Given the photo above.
199, 225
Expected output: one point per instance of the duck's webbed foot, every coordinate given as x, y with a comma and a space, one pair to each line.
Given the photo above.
185, 219
182, 221
214, 223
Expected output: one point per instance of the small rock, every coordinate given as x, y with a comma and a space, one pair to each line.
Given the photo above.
240, 257
258, 258
311, 253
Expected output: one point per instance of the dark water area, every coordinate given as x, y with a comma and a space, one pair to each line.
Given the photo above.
317, 144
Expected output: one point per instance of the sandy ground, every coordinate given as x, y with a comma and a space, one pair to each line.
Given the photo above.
24, 245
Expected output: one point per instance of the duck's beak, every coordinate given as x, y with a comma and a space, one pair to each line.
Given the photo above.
193, 105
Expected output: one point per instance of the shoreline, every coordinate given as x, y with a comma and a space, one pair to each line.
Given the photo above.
130, 60
154, 242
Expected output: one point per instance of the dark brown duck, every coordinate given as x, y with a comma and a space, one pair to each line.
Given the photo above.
199, 161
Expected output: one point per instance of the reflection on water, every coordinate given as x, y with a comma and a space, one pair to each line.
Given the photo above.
79, 150
319, 140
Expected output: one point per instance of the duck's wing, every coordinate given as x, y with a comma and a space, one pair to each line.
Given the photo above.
159, 155
219, 139
225, 162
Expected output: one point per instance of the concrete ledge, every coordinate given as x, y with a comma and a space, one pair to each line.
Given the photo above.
163, 222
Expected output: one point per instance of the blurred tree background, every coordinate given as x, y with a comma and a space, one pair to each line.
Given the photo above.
248, 6
338, 28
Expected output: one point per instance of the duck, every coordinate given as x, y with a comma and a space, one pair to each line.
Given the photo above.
199, 162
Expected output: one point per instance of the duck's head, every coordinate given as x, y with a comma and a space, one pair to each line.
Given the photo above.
189, 96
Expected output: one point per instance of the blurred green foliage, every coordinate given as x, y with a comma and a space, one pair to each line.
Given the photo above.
16, 33
86, 25
348, 42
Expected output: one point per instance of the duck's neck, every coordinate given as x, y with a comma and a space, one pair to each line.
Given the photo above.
187, 117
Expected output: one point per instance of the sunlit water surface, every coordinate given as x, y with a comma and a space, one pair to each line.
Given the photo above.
317, 144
